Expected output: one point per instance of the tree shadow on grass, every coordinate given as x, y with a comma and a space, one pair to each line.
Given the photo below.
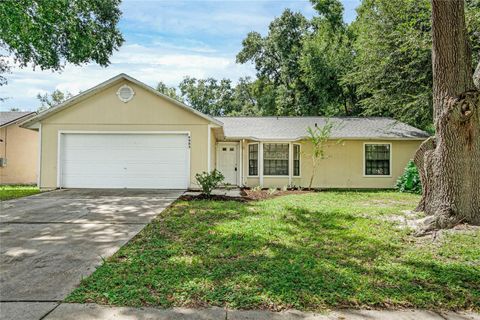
240, 256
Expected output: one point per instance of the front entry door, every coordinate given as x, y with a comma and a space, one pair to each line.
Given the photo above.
227, 162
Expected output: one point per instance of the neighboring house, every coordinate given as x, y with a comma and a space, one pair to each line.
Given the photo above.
125, 134
18, 149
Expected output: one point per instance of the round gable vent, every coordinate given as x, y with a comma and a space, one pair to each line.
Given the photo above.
125, 93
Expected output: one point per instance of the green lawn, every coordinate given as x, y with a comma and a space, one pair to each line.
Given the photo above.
309, 252
8, 192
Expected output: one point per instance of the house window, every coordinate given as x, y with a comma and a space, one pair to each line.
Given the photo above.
296, 160
275, 159
377, 159
253, 159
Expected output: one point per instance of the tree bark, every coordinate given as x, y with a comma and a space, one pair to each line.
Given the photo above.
423, 162
476, 76
449, 165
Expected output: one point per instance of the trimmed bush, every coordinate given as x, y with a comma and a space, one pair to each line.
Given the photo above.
409, 181
209, 181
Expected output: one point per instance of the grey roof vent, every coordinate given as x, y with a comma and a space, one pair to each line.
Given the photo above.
125, 93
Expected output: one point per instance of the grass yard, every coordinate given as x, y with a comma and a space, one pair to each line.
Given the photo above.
309, 252
8, 192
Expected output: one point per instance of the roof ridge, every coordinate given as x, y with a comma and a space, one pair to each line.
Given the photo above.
303, 117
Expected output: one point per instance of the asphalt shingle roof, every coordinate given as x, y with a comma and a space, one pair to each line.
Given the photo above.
294, 128
11, 116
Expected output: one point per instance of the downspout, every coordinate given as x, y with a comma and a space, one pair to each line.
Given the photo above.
39, 163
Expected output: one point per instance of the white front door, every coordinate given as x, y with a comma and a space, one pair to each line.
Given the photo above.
227, 162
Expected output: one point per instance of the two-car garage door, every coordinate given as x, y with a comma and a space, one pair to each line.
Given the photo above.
111, 160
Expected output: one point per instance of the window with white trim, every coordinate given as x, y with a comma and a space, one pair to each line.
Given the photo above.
253, 159
377, 159
275, 159
296, 160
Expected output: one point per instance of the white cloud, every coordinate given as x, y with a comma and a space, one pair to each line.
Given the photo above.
147, 64
166, 41
32, 92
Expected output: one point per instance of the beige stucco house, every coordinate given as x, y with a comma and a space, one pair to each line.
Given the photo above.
124, 134
18, 149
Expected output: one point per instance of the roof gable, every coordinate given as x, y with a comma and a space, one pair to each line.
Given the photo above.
106, 85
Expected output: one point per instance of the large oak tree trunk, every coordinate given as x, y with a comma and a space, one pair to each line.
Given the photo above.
449, 164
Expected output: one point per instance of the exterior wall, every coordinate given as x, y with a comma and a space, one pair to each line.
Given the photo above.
213, 150
105, 112
343, 166
20, 148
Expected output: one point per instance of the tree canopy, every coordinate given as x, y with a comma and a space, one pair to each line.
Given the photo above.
378, 65
47, 34
51, 100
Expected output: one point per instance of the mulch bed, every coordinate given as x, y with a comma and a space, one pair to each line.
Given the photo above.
252, 195
213, 197
246, 195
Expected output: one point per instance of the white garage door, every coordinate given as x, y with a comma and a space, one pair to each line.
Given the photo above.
158, 161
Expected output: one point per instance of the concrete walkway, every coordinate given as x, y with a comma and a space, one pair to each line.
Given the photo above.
95, 312
50, 241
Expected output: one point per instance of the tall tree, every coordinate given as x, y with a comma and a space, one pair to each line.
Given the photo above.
392, 69
168, 91
300, 63
51, 100
276, 59
246, 98
330, 11
449, 163
47, 34
326, 59
209, 96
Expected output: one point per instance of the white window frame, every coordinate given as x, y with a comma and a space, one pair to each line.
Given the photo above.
248, 160
365, 160
263, 160
299, 160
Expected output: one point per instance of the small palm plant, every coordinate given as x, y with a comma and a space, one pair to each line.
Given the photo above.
318, 137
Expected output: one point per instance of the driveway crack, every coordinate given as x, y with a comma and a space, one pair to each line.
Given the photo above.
46, 314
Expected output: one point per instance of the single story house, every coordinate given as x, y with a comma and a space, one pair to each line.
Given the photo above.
125, 134
18, 149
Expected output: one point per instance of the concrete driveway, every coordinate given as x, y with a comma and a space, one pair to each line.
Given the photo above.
50, 241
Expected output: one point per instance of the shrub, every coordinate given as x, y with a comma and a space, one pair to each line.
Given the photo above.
409, 181
209, 181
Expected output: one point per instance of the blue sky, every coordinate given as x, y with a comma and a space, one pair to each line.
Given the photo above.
166, 40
